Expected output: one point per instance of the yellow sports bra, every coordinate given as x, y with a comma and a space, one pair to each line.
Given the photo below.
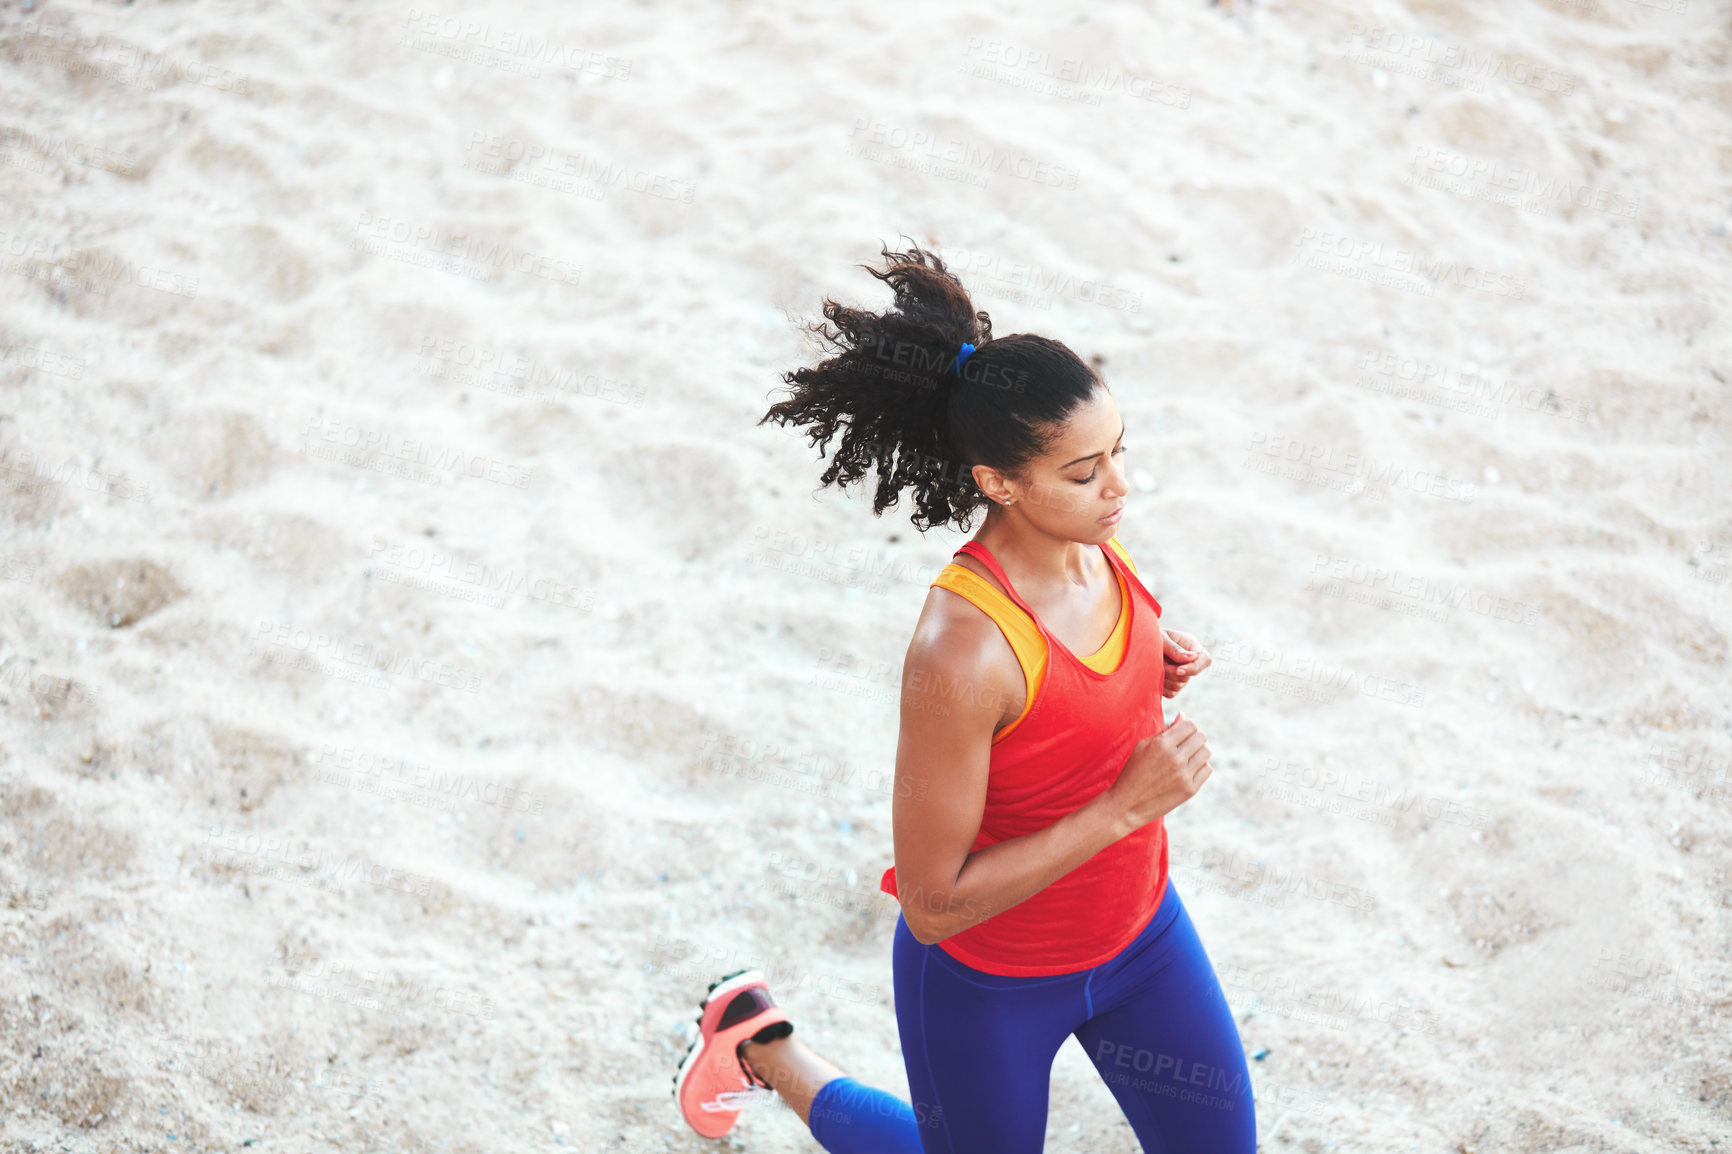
1025, 636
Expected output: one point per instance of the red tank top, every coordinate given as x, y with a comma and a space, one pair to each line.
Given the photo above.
1070, 747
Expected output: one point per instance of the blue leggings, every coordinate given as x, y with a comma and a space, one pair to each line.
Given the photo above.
979, 1050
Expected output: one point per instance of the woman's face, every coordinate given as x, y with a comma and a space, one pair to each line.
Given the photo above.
1080, 479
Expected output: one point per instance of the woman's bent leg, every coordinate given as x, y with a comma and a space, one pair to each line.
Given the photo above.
851, 1118
1164, 1040
791, 1069
843, 1115
979, 1049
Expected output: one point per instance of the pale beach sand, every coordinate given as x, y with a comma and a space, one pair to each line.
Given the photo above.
421, 677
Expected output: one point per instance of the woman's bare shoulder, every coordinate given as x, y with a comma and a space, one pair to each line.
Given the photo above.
950, 623
955, 638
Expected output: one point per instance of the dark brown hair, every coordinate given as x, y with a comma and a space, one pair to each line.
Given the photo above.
889, 388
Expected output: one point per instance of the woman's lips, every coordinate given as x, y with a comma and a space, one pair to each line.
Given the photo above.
1113, 517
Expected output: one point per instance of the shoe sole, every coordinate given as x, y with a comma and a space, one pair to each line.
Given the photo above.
720, 988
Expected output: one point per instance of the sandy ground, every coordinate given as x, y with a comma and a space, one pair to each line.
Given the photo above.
421, 677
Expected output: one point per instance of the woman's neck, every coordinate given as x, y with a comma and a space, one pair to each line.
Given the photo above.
1036, 560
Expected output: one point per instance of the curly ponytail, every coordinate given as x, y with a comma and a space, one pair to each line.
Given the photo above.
903, 412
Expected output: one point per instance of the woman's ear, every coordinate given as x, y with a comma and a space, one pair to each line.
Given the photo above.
993, 483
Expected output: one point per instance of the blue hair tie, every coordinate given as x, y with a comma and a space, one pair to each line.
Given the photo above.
961, 357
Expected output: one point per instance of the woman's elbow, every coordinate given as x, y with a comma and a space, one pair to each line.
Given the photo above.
926, 927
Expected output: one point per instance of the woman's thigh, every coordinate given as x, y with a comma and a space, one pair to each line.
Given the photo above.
1164, 1040
979, 1050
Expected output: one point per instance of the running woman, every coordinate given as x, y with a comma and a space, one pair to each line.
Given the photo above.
1031, 783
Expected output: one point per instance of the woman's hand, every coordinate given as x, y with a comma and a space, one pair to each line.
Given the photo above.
1161, 774
1184, 657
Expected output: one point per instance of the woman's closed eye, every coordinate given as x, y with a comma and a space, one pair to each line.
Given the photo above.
1091, 476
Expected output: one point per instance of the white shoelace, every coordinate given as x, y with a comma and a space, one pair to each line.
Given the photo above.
740, 1099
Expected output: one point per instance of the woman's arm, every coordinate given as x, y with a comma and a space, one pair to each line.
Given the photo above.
956, 689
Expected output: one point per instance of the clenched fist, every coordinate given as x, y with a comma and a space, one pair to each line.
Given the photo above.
1162, 773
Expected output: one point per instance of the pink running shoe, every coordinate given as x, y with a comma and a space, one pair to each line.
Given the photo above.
714, 1082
